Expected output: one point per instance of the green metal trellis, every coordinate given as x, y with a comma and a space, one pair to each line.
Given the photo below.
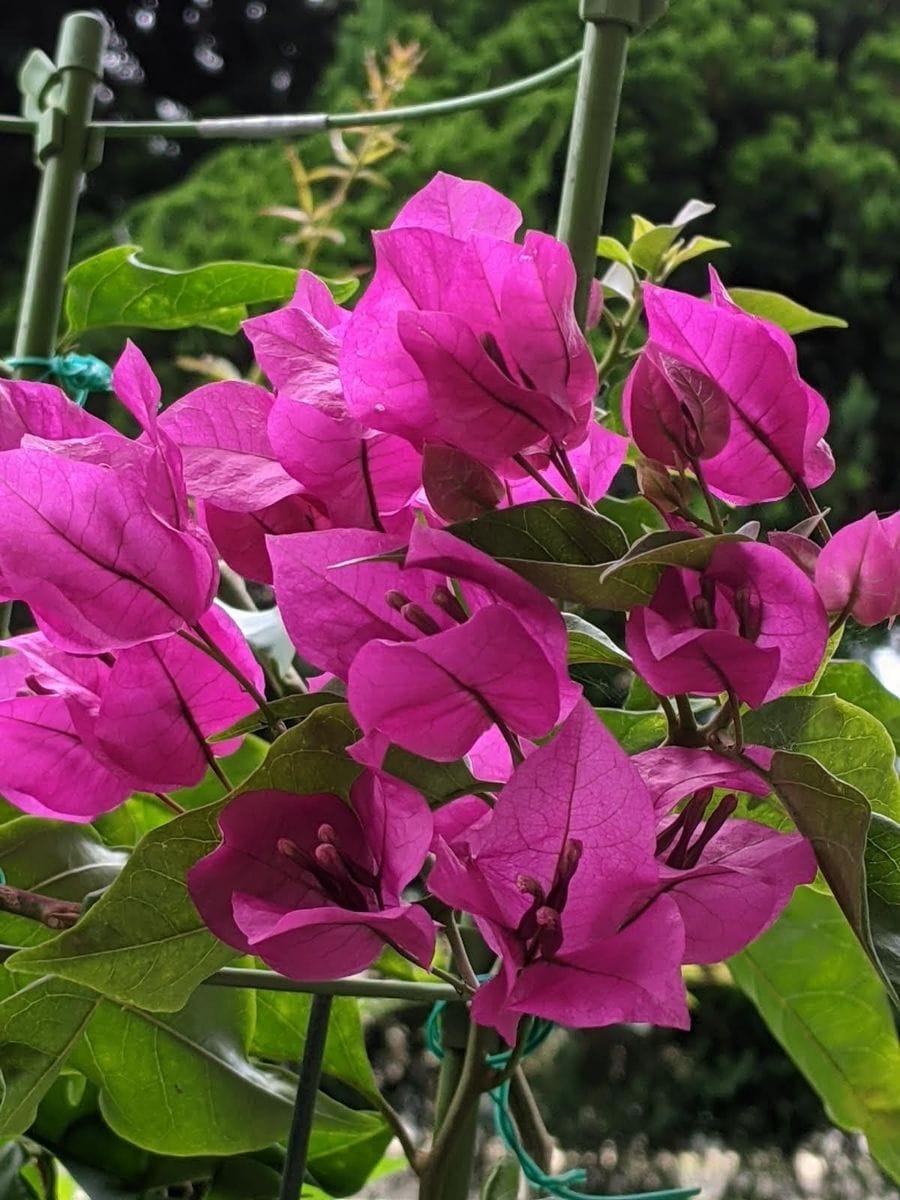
58, 100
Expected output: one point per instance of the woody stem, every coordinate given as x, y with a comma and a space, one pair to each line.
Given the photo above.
813, 509
535, 474
201, 640
55, 914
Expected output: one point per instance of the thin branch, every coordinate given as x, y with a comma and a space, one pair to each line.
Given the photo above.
47, 910
169, 803
201, 640
535, 474
460, 955
401, 1133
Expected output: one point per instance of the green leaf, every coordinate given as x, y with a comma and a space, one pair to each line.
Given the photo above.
848, 742
883, 892
823, 1001
588, 644
13, 1157
437, 781
286, 708
854, 681
540, 538
696, 247
503, 1181
834, 817
53, 858
640, 697
39, 1026
636, 516
634, 731
787, 314
559, 547
244, 1179
280, 1035
612, 248
181, 1083
652, 241
115, 288
143, 942
634, 578
345, 1147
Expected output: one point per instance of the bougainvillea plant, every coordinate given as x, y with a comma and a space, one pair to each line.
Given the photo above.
463, 529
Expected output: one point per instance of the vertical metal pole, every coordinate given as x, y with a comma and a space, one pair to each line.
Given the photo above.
608, 26
305, 1102
61, 144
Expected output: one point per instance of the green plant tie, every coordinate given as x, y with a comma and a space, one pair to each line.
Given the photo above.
79, 374
553, 1185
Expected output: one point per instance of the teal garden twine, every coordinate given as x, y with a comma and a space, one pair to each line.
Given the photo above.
78, 374
552, 1185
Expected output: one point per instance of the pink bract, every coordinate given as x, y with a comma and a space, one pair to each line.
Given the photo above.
776, 423
408, 647
465, 337
313, 885
43, 411
222, 431
730, 878
555, 876
751, 622
857, 571
98, 566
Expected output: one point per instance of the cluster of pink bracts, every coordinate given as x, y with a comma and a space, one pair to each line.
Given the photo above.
593, 876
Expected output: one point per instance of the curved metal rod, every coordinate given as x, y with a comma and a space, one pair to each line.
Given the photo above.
302, 124
269, 981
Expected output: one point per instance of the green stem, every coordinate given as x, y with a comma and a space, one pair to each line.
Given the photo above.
402, 1134
621, 331
813, 509
687, 722
305, 1102
590, 150
708, 498
460, 954
529, 1122
448, 1171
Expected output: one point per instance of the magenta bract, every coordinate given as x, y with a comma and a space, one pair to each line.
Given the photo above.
222, 431
730, 878
409, 647
313, 885
857, 571
465, 337
776, 423
751, 623
560, 877
98, 566
43, 411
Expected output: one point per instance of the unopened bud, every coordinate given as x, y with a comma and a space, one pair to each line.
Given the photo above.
289, 849
547, 918
395, 599
325, 833
445, 600
529, 886
328, 857
749, 613
703, 613
668, 493
416, 615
